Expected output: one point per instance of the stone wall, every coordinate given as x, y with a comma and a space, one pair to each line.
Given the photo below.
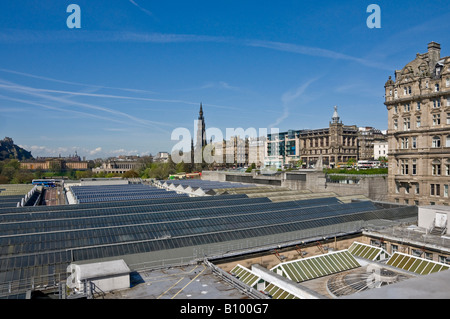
373, 187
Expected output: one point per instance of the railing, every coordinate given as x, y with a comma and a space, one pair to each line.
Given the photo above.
17, 287
236, 283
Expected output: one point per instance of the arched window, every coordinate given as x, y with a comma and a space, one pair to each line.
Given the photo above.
436, 142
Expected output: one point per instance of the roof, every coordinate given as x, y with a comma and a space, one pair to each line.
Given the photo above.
100, 269
44, 240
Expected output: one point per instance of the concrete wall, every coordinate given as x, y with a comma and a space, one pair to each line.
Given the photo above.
428, 214
373, 187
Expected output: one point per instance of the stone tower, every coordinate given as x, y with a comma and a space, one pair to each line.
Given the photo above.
201, 131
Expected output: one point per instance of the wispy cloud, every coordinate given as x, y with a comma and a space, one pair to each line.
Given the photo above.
74, 83
314, 51
290, 97
122, 116
142, 9
26, 36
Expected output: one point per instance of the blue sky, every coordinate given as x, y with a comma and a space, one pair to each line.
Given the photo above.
138, 69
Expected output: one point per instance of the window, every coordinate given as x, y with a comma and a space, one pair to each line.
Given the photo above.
414, 167
394, 248
406, 124
448, 118
406, 107
404, 90
447, 170
416, 202
418, 106
395, 124
445, 190
404, 143
417, 189
404, 167
397, 188
396, 109
448, 101
435, 189
436, 87
447, 141
447, 82
444, 259
409, 90
436, 169
436, 119
406, 189
416, 252
418, 121
395, 94
414, 142
436, 142
428, 256
436, 103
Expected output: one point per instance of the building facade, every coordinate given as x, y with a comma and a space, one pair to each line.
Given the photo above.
55, 163
329, 146
119, 165
418, 105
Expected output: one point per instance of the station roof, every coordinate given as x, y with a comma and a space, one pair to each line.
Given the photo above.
43, 241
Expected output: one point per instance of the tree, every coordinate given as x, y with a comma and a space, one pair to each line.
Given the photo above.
130, 174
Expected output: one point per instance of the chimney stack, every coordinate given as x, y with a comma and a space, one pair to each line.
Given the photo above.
434, 53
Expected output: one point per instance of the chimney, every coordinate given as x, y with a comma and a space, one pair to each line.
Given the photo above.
434, 53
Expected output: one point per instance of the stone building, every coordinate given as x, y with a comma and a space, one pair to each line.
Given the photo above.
418, 105
119, 165
55, 163
329, 146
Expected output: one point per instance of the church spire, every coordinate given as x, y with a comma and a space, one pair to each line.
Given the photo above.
200, 114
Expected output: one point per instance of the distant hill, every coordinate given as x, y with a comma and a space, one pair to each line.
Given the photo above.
9, 150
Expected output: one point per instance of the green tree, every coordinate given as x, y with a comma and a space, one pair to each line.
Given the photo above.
130, 174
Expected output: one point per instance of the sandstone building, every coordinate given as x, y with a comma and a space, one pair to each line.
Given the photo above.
418, 104
329, 146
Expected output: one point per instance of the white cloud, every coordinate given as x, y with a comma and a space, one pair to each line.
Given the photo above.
95, 151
